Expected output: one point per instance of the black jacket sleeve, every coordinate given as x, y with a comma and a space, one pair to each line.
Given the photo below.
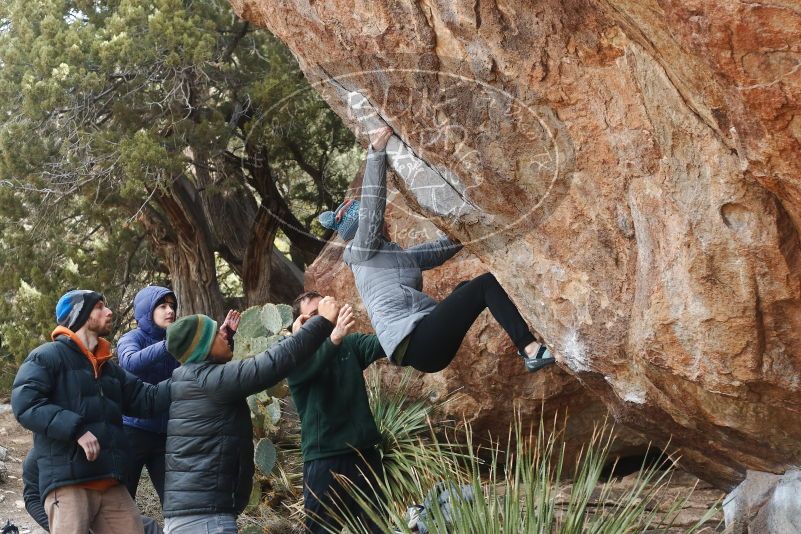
238, 379
30, 400
30, 490
141, 399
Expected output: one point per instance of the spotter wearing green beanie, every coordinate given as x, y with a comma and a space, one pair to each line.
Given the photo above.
189, 339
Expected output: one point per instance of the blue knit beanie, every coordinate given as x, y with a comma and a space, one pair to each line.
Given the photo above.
74, 307
348, 223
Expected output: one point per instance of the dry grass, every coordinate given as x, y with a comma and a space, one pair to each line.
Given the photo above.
147, 499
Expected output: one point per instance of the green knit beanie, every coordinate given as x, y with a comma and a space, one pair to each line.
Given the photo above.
189, 339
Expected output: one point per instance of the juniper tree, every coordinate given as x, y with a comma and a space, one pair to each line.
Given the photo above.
171, 115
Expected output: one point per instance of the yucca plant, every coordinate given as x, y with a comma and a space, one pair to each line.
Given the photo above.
522, 489
404, 424
407, 449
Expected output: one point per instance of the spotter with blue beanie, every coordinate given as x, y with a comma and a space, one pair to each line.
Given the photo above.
71, 395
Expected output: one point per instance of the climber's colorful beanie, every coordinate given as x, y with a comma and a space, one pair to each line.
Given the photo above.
189, 339
347, 225
74, 307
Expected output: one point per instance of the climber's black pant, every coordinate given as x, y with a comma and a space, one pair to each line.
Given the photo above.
435, 339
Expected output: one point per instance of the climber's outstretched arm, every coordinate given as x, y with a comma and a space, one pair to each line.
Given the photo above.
434, 253
367, 240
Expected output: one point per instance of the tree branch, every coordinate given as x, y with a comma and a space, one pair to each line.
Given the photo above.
229, 50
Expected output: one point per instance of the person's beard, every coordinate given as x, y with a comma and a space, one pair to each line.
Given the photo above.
101, 327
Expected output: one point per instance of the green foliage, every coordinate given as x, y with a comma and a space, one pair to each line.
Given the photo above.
251, 326
255, 496
271, 319
260, 327
116, 115
268, 323
135, 91
285, 310
274, 411
42, 259
523, 489
405, 425
8, 369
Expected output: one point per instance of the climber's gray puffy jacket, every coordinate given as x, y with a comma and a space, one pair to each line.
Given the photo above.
388, 277
209, 435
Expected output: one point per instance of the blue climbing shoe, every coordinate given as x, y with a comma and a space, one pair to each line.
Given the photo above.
542, 359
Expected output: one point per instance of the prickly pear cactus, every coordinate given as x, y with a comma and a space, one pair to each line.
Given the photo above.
260, 328
255, 496
265, 456
265, 410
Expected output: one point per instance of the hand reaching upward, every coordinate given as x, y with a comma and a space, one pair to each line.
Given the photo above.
230, 325
329, 308
302, 318
379, 138
345, 322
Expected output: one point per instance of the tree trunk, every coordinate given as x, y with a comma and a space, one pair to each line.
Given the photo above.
194, 280
286, 279
179, 230
256, 274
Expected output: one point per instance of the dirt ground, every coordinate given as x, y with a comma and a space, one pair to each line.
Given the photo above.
18, 442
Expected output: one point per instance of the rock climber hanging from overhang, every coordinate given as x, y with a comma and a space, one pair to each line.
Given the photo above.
413, 329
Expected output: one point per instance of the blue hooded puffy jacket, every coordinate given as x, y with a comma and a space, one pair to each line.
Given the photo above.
143, 351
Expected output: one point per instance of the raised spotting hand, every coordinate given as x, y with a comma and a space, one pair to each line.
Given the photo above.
329, 308
345, 323
230, 325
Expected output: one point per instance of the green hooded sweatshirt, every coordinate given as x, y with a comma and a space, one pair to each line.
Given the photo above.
331, 398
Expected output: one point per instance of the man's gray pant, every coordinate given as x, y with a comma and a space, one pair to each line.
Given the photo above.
201, 524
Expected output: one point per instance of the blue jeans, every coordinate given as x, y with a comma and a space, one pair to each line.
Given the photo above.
201, 524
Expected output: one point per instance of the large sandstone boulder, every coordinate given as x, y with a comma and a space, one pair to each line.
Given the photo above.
765, 503
629, 170
487, 384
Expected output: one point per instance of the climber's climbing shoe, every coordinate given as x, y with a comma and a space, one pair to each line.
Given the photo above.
542, 359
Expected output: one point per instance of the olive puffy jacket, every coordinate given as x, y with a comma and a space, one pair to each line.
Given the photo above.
209, 435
